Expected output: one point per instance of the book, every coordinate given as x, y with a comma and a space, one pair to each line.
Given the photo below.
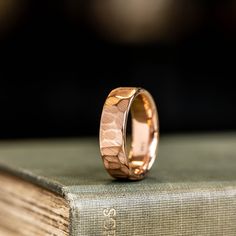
60, 187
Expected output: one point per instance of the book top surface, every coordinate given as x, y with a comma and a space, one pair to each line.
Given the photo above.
74, 165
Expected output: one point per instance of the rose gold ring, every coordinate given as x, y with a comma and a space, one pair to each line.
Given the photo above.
118, 160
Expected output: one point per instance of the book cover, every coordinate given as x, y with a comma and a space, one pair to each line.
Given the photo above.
191, 189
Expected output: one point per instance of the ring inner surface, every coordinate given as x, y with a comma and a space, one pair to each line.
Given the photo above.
144, 134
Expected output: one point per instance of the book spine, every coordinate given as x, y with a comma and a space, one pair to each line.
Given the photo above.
172, 211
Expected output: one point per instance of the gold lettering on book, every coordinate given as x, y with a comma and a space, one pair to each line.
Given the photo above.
109, 222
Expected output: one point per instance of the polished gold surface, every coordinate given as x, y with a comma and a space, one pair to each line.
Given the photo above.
134, 163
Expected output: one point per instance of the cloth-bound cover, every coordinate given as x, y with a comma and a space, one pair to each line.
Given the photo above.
191, 189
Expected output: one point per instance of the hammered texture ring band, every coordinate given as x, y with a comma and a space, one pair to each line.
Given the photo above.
120, 161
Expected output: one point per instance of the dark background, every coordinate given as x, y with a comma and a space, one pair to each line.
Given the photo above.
58, 66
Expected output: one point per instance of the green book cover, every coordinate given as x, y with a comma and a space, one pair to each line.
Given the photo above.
191, 189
